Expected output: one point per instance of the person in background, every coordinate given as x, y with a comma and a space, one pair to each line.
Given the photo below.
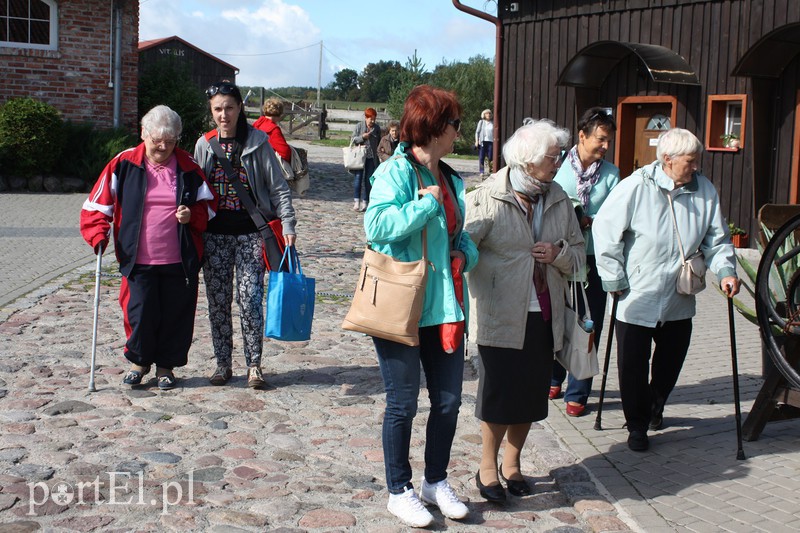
233, 243
397, 214
269, 123
389, 141
368, 133
529, 243
587, 178
484, 140
159, 203
638, 259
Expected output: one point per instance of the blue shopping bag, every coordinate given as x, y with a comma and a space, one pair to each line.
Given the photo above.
290, 301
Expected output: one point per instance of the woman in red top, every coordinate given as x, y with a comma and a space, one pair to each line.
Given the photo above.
273, 111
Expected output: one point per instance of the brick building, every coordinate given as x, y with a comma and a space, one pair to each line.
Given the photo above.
79, 56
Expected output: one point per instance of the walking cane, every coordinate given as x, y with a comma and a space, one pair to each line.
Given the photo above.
735, 365
597, 423
96, 312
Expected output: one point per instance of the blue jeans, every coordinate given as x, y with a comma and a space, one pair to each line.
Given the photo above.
362, 177
484, 152
444, 372
578, 390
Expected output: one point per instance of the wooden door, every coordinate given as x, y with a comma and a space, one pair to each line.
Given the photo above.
651, 121
640, 120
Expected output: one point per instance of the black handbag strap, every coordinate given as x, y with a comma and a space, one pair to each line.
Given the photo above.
258, 219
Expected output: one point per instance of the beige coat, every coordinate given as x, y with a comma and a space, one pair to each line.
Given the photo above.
500, 285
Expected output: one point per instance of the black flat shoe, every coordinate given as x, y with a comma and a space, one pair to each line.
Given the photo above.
515, 487
494, 493
134, 377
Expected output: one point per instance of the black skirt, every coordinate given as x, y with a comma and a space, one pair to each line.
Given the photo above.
513, 384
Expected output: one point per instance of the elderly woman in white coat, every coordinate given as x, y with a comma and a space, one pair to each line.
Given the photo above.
636, 244
529, 241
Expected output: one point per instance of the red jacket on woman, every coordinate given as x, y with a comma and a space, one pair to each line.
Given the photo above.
276, 138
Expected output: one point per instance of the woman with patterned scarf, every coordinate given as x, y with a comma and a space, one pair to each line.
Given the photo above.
587, 178
529, 242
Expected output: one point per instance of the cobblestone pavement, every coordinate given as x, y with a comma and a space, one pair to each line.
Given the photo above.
305, 454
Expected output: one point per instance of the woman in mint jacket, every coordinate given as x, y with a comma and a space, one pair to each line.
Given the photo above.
587, 178
398, 211
638, 258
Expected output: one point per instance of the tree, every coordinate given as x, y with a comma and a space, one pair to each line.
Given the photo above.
377, 79
473, 82
413, 74
345, 82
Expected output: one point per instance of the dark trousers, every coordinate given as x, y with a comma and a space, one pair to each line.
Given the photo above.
640, 399
400, 369
484, 153
158, 305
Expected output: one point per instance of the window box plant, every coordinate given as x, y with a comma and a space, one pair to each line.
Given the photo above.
739, 236
730, 140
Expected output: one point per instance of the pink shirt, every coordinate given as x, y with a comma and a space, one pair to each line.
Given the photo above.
158, 237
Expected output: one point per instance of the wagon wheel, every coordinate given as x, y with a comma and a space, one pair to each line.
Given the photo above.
778, 297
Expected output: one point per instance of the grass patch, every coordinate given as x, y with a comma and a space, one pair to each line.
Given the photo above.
331, 142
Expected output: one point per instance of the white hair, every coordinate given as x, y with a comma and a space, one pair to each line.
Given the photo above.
161, 121
531, 142
677, 142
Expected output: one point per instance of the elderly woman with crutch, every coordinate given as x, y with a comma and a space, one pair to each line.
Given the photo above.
158, 201
663, 213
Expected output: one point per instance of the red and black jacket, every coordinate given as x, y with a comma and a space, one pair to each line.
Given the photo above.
118, 198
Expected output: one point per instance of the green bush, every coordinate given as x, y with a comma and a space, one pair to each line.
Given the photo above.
31, 137
87, 150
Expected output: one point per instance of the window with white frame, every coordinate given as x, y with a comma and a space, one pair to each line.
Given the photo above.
733, 119
28, 24
726, 122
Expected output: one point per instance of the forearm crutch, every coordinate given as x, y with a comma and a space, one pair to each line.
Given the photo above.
598, 421
96, 313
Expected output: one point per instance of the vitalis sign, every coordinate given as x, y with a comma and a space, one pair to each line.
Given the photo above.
172, 52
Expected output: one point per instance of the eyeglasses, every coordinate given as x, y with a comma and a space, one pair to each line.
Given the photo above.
557, 159
456, 123
167, 142
221, 88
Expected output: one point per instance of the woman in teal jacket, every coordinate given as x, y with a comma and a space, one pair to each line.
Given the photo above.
587, 178
638, 258
397, 213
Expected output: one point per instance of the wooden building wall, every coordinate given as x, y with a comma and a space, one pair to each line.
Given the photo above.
204, 69
711, 35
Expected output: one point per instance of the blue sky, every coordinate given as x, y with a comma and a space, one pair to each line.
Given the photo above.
275, 43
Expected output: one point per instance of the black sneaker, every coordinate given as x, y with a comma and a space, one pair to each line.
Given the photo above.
638, 441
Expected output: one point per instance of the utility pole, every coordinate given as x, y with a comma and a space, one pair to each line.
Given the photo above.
319, 74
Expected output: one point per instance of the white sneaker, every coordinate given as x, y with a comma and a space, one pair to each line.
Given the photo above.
409, 509
443, 496
355, 205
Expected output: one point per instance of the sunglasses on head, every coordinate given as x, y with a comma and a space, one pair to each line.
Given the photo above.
221, 88
602, 115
